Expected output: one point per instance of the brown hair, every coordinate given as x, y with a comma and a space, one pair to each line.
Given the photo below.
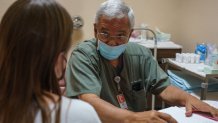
32, 35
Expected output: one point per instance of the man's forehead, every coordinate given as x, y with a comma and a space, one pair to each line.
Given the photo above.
124, 19
119, 23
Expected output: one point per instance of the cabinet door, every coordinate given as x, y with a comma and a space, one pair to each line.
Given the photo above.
162, 54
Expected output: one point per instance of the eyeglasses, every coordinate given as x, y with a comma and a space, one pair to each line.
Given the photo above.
105, 37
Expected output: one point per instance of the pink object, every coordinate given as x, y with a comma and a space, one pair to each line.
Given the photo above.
135, 34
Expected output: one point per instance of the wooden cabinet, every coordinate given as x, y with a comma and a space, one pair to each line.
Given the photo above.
162, 54
165, 49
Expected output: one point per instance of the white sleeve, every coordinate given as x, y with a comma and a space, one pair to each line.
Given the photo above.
77, 111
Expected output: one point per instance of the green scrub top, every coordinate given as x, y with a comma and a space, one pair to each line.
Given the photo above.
88, 72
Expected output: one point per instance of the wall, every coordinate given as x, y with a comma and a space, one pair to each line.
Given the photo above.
189, 21
4, 4
155, 13
198, 23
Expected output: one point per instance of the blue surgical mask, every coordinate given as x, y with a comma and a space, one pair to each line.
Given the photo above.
110, 52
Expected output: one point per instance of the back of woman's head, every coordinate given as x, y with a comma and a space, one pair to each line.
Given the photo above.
32, 35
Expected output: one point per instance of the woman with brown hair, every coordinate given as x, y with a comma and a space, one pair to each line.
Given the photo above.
34, 38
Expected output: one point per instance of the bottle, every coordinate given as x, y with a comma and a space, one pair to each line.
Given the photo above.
201, 49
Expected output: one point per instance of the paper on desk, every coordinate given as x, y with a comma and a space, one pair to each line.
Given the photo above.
179, 115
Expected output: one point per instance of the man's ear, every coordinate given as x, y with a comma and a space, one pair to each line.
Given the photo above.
60, 65
130, 33
95, 30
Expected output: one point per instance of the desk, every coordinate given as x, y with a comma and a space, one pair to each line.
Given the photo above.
194, 70
165, 49
178, 113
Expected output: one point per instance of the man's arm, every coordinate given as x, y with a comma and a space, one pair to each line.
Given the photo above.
111, 114
176, 96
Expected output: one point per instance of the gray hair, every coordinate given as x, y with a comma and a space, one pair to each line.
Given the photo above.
115, 9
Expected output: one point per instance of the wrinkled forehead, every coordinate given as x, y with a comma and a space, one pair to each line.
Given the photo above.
114, 21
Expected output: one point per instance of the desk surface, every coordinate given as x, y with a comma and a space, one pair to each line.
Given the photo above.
160, 45
179, 114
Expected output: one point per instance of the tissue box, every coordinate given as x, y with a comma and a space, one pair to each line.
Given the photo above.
163, 36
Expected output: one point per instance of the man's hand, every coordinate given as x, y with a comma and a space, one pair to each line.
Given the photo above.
62, 85
170, 95
152, 117
194, 104
108, 113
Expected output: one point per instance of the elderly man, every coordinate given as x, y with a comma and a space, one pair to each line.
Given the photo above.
115, 76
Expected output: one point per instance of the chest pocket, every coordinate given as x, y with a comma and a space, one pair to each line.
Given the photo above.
139, 98
135, 66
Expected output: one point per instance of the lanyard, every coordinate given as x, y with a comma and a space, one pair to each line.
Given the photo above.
120, 97
117, 80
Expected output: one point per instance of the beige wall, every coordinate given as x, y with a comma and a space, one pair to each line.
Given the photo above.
198, 23
4, 4
189, 21
155, 13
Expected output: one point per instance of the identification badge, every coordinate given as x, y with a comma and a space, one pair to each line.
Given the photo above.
122, 101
